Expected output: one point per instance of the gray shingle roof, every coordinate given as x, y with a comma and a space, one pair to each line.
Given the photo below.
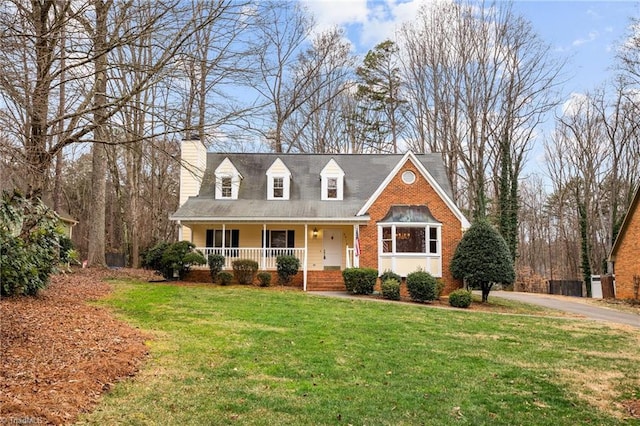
363, 175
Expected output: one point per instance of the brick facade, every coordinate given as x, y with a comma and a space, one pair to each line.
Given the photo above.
627, 253
418, 193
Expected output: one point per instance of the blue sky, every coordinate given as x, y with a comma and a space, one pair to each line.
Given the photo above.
587, 33
584, 32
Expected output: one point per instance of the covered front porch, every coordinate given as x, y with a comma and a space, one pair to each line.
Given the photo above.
318, 246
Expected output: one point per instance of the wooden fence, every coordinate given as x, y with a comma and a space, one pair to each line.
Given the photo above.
566, 287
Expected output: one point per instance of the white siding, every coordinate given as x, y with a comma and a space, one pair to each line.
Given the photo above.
194, 162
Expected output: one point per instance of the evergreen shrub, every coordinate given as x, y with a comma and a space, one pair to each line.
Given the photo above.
245, 270
422, 286
360, 280
460, 298
288, 267
391, 289
264, 278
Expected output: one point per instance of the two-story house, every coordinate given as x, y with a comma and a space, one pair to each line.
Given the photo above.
332, 211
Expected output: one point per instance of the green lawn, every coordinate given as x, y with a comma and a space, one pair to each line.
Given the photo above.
242, 355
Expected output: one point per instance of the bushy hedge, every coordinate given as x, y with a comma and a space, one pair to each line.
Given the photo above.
225, 277
288, 267
169, 259
391, 289
264, 278
244, 270
460, 298
216, 263
360, 280
422, 286
29, 244
390, 275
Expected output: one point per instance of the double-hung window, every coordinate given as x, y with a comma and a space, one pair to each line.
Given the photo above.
226, 187
332, 188
214, 239
278, 187
279, 241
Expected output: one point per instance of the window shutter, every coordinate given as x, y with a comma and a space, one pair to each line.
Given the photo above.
291, 239
209, 242
235, 238
268, 235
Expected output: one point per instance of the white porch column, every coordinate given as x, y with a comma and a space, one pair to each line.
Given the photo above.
179, 231
356, 246
264, 246
304, 262
224, 242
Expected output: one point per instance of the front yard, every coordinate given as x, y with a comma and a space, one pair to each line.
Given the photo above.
240, 355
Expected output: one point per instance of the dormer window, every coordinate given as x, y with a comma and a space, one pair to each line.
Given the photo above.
227, 181
226, 186
332, 182
332, 188
278, 181
278, 187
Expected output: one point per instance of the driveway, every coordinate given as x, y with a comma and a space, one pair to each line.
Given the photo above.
574, 305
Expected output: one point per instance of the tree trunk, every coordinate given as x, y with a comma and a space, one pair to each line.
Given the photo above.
96, 255
486, 288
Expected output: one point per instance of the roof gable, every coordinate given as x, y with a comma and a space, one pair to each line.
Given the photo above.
409, 156
278, 168
332, 168
625, 223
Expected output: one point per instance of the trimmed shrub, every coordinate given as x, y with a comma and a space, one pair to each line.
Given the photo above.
264, 278
179, 257
391, 289
216, 263
390, 275
421, 286
360, 280
288, 267
460, 298
482, 258
225, 277
244, 270
172, 258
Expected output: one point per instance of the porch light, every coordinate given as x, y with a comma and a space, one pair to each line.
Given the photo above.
315, 233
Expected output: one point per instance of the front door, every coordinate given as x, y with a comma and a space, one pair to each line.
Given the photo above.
332, 248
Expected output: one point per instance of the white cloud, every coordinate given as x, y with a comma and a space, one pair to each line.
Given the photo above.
574, 104
329, 13
371, 21
593, 35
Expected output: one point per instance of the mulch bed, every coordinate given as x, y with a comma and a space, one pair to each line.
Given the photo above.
59, 354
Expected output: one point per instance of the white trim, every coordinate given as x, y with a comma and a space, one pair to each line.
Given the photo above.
306, 257
394, 255
226, 169
425, 173
332, 170
278, 170
257, 220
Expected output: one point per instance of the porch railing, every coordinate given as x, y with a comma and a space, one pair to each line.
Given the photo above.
350, 251
266, 257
